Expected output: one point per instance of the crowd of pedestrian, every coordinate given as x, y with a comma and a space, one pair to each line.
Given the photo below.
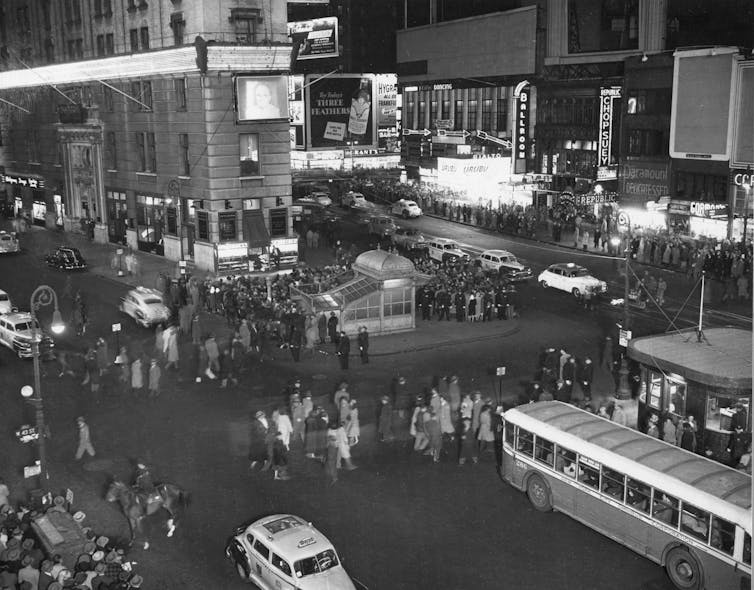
26, 565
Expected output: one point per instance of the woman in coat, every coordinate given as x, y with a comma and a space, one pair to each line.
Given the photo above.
353, 426
486, 437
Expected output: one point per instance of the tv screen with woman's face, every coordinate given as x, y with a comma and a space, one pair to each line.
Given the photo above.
261, 97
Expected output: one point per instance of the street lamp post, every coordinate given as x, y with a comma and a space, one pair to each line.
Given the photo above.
42, 296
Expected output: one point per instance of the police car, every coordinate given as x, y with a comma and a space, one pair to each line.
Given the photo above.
145, 306
571, 278
285, 551
406, 208
16, 330
505, 262
8, 243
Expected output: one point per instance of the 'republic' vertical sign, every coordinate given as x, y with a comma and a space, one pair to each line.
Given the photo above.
605, 169
521, 143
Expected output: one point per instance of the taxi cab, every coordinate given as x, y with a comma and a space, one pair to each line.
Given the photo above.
145, 306
283, 551
571, 278
8, 243
16, 331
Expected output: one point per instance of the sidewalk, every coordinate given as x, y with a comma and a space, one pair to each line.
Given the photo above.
679, 285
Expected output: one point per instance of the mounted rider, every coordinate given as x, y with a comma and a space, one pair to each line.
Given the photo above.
144, 483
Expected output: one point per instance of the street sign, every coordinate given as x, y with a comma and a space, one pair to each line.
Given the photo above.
27, 433
424, 132
32, 470
623, 337
500, 371
116, 327
487, 137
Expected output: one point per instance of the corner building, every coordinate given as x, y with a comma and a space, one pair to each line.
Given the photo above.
134, 121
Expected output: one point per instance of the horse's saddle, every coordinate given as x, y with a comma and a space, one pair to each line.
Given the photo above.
150, 496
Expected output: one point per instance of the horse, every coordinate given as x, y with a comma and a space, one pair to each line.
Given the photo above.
137, 504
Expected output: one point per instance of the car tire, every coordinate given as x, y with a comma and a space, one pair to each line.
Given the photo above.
683, 569
242, 573
544, 284
538, 493
576, 293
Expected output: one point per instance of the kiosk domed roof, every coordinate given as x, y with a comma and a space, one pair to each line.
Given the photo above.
383, 265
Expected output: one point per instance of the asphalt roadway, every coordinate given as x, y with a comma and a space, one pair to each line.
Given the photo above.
398, 521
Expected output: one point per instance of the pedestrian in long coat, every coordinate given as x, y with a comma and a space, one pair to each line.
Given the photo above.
467, 443
363, 341
245, 334
320, 434
172, 351
196, 329
385, 420
155, 375
332, 453
343, 350
353, 426
85, 441
103, 356
446, 419
258, 440
485, 436
298, 420
434, 434
159, 340
311, 425
213, 354
322, 327
454, 395
284, 426
332, 327
137, 378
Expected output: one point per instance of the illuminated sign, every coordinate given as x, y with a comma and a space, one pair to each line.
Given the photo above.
743, 179
705, 209
646, 179
261, 97
22, 181
387, 99
604, 152
521, 144
234, 250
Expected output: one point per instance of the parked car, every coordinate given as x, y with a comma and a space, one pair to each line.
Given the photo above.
16, 332
6, 305
9, 243
66, 258
505, 262
381, 226
145, 306
405, 208
409, 238
285, 551
571, 278
442, 249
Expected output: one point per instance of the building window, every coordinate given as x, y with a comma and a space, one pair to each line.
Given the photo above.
473, 108
141, 151
646, 142
458, 115
487, 114
422, 123
144, 38
227, 226
151, 152
250, 154
409, 114
111, 151
648, 102
109, 44
180, 93
142, 92
594, 25
278, 222
97, 8
397, 302
133, 35
149, 222
202, 225
146, 149
100, 45
445, 111
433, 114
49, 50
700, 187
178, 25
185, 161
107, 8
245, 22
76, 14
501, 123
146, 95
131, 5
32, 146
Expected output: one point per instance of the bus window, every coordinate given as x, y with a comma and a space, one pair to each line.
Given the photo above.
589, 473
695, 522
665, 509
509, 433
565, 462
543, 451
637, 495
747, 549
613, 483
525, 442
722, 535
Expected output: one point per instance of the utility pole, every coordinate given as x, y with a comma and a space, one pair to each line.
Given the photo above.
624, 389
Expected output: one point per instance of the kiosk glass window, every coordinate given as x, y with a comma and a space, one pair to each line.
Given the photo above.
725, 412
676, 396
365, 308
398, 301
654, 390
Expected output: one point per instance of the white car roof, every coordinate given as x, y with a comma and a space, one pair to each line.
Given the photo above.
143, 292
498, 253
290, 536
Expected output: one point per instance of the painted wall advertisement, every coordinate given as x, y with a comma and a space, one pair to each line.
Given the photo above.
341, 111
646, 181
314, 39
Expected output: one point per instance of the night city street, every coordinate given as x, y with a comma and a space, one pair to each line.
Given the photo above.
376, 294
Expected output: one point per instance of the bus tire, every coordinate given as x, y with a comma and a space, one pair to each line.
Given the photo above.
538, 493
683, 569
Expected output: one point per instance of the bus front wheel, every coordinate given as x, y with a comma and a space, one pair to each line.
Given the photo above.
683, 569
539, 493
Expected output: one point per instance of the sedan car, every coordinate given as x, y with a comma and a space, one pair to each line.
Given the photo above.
381, 226
354, 200
16, 332
66, 258
8, 243
6, 305
320, 198
406, 208
285, 551
442, 250
409, 238
145, 306
571, 278
504, 262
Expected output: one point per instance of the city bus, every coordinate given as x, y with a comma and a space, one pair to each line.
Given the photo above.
683, 511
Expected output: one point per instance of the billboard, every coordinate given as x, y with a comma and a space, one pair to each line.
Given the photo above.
261, 97
314, 39
743, 137
387, 97
700, 120
340, 111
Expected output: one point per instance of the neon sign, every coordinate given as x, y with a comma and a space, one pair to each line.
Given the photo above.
607, 96
522, 122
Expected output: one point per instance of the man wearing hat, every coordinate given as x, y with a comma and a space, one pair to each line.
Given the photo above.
85, 442
28, 573
101, 579
45, 575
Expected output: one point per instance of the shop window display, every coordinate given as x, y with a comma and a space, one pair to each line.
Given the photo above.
725, 411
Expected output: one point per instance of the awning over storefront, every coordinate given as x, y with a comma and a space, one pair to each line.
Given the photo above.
721, 359
254, 230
